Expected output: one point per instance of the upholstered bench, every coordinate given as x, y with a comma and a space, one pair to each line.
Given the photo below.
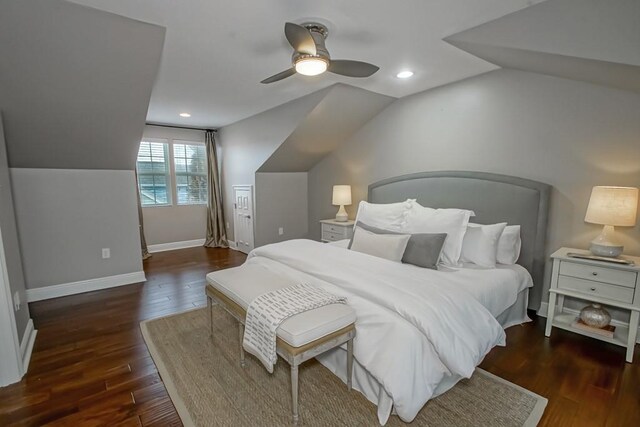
300, 337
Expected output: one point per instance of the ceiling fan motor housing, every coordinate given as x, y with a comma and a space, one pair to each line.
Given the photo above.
319, 33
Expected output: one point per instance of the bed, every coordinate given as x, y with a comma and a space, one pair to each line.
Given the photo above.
419, 331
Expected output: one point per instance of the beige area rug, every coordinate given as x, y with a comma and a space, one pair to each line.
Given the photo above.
209, 388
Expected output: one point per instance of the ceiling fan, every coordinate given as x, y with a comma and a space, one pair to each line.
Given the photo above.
310, 56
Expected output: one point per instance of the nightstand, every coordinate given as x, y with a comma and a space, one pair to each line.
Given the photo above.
333, 230
614, 285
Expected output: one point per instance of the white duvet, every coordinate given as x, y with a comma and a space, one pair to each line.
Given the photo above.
417, 335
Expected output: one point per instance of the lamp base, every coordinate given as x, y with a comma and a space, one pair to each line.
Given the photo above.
605, 244
607, 251
342, 216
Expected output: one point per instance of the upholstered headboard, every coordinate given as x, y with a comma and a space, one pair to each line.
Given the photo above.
494, 198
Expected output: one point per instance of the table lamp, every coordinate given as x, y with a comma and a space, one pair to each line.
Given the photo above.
611, 206
341, 197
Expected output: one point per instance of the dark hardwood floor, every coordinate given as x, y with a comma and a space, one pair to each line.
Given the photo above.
90, 366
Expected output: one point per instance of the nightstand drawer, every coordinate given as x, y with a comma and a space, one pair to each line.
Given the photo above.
333, 237
591, 287
336, 229
600, 274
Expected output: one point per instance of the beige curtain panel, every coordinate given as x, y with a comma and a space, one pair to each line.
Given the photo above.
216, 232
143, 241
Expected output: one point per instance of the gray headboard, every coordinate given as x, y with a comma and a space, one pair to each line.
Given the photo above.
494, 198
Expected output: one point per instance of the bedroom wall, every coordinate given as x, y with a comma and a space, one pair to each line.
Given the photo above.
245, 145
281, 202
168, 224
9, 240
66, 216
569, 134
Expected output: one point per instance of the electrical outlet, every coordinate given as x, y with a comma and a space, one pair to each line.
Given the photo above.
280, 231
16, 301
106, 253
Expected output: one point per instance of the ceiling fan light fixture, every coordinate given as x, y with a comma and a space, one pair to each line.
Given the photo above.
311, 66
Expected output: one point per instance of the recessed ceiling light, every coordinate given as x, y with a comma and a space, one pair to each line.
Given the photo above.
185, 115
404, 74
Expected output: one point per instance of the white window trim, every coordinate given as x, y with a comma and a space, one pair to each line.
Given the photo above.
173, 194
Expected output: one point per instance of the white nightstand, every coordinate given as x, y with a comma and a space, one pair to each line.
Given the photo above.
615, 285
333, 230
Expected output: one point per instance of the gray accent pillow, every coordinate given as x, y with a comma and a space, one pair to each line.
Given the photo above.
423, 250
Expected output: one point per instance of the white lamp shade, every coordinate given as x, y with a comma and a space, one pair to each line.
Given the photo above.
341, 195
613, 206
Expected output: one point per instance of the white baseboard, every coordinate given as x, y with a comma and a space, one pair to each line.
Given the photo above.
544, 309
161, 247
26, 345
233, 245
64, 289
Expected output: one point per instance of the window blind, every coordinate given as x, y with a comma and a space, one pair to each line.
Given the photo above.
190, 165
153, 173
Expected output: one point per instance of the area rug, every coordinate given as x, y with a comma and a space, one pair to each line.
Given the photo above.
209, 387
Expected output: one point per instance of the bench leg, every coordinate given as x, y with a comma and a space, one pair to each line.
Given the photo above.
294, 392
349, 362
241, 336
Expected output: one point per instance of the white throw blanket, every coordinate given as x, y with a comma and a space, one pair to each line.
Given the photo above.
269, 310
415, 332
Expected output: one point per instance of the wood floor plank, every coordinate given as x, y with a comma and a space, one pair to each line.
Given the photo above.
90, 365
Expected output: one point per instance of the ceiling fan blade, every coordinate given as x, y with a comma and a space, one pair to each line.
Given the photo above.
282, 75
349, 68
300, 38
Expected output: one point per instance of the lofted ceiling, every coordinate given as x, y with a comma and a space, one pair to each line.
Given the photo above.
216, 52
588, 40
74, 89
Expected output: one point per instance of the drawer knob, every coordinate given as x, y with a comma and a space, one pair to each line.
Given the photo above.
593, 289
595, 273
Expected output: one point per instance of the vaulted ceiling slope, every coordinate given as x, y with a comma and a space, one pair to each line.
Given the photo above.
218, 51
589, 40
340, 113
75, 84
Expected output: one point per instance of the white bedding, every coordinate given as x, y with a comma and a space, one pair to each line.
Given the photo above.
496, 289
418, 330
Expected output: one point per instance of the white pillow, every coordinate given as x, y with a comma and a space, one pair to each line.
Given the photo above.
388, 246
480, 244
451, 221
509, 245
389, 216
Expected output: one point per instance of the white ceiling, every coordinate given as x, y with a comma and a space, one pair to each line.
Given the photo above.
216, 52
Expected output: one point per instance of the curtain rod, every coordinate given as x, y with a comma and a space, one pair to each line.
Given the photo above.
180, 127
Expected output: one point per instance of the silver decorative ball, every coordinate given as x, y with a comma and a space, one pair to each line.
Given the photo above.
595, 315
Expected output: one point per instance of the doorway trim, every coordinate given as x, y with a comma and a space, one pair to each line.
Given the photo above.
253, 212
11, 365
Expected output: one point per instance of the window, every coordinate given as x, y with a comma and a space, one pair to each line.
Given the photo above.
172, 172
190, 162
154, 179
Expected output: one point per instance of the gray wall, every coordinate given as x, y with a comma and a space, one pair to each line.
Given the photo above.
340, 113
167, 224
281, 201
245, 145
10, 239
569, 134
66, 217
75, 84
